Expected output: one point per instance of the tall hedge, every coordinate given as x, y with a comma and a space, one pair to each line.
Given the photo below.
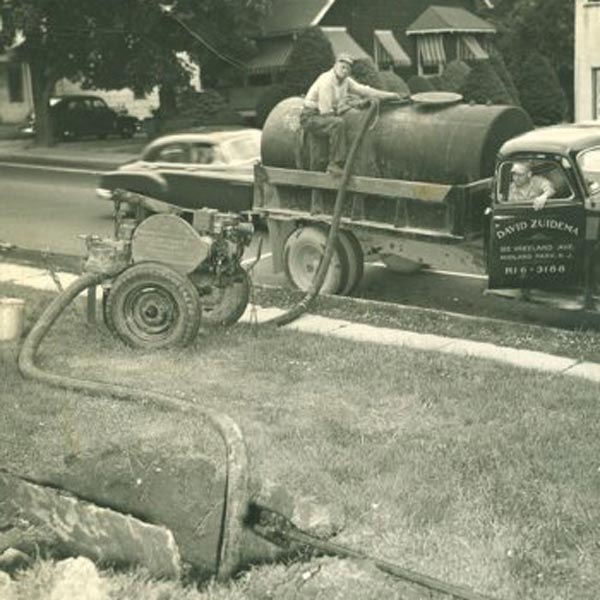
483, 85
311, 55
454, 76
499, 65
365, 71
540, 91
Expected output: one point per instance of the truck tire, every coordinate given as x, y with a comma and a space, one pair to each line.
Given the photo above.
222, 305
302, 254
151, 306
355, 259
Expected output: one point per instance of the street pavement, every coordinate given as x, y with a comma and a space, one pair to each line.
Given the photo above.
317, 325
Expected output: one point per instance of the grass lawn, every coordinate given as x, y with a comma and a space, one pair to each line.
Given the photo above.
470, 471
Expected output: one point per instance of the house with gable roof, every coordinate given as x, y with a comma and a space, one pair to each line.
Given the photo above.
409, 36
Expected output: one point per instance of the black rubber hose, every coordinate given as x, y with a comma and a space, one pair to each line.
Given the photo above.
236, 485
303, 305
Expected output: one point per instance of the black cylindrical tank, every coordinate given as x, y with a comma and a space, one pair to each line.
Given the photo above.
449, 144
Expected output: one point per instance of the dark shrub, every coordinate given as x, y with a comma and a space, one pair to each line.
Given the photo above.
394, 83
500, 67
311, 55
269, 99
195, 109
365, 71
483, 85
540, 91
454, 76
418, 84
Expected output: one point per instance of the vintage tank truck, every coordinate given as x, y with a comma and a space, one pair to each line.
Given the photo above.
431, 187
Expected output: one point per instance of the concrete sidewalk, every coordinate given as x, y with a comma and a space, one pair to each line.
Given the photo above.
313, 324
91, 155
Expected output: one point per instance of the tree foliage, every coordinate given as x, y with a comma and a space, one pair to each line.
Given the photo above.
116, 43
541, 94
542, 26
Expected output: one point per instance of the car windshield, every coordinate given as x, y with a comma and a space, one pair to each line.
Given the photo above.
243, 148
589, 163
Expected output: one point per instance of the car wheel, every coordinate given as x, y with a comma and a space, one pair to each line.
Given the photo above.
151, 306
302, 255
126, 131
222, 305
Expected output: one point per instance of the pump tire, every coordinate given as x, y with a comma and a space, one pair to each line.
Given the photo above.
222, 306
150, 306
355, 259
302, 253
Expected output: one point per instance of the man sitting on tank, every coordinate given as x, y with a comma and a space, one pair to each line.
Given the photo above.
327, 99
527, 187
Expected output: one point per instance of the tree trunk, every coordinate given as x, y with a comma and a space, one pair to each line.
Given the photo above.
42, 84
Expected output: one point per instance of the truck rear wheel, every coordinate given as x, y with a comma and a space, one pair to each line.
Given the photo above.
302, 255
151, 306
355, 259
222, 305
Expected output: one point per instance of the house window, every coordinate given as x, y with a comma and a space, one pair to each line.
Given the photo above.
15, 82
596, 93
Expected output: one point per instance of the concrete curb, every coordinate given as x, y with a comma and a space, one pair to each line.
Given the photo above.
109, 163
317, 325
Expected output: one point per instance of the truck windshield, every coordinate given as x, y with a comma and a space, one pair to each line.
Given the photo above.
589, 163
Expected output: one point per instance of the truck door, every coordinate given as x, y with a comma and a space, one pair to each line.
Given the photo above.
532, 246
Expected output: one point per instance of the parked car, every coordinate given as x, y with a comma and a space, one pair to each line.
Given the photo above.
82, 115
196, 169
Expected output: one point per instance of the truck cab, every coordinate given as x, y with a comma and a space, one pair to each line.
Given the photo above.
543, 234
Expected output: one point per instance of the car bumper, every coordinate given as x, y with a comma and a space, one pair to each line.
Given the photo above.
104, 194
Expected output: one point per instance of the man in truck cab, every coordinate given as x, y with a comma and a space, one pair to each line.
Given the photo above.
527, 187
328, 98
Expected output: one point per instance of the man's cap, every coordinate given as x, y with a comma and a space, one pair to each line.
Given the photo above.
346, 58
520, 167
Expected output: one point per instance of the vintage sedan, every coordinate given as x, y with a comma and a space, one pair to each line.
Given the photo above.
196, 169
81, 115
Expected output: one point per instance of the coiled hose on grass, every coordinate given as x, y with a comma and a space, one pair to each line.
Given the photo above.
313, 291
236, 483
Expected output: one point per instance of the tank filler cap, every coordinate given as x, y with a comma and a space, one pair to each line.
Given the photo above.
436, 98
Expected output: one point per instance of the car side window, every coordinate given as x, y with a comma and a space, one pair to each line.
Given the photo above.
170, 153
97, 103
203, 154
522, 181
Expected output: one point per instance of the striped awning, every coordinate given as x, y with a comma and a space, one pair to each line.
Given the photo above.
273, 55
393, 51
342, 41
431, 49
473, 49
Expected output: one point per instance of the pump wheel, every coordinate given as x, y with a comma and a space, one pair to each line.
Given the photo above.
302, 255
355, 259
223, 303
151, 306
